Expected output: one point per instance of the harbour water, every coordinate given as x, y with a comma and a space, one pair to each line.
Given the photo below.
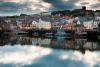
24, 51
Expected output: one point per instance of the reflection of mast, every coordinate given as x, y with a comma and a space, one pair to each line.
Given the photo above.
37, 42
82, 49
80, 43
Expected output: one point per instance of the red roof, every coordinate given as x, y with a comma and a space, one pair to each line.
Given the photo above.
66, 17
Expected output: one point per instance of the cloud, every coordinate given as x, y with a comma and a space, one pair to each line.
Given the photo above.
88, 3
72, 4
62, 4
10, 7
97, 6
31, 6
23, 5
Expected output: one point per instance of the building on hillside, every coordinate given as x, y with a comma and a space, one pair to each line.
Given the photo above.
79, 12
69, 19
45, 13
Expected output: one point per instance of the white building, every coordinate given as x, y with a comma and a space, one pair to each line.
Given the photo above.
95, 24
70, 20
88, 24
19, 24
44, 25
34, 25
78, 22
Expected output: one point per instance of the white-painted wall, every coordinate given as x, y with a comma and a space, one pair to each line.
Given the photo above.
88, 24
44, 24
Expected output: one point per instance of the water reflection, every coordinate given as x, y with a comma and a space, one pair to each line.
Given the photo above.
57, 43
23, 51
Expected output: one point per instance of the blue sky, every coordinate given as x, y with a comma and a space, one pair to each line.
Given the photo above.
13, 7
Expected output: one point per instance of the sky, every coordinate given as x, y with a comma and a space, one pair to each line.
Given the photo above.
14, 7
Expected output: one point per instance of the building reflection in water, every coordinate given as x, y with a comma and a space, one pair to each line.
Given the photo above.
23, 51
57, 43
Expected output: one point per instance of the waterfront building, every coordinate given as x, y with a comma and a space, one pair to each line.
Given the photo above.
62, 21
25, 26
4, 25
95, 24
69, 26
34, 25
44, 24
55, 26
66, 17
79, 27
55, 23
13, 25
88, 24
78, 22
69, 20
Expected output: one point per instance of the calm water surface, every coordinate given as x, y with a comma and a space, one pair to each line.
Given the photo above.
23, 51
